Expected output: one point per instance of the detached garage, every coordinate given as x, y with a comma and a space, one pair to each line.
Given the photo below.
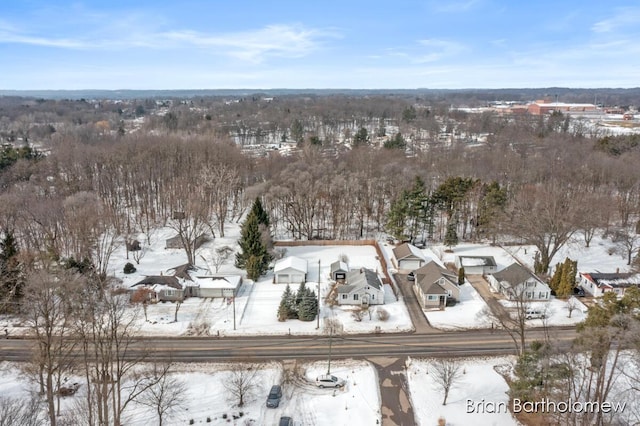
408, 258
290, 270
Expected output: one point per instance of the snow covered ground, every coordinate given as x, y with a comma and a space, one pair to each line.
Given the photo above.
468, 313
206, 399
480, 382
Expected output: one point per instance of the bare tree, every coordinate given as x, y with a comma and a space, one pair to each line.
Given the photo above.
220, 256
446, 373
627, 243
166, 396
241, 382
142, 296
20, 411
572, 305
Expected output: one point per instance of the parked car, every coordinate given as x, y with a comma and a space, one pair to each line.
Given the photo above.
285, 421
329, 381
578, 291
411, 276
275, 395
534, 314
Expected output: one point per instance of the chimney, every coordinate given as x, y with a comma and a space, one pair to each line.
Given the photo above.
617, 270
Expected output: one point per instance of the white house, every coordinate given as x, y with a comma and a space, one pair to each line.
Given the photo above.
515, 281
216, 286
434, 286
362, 287
408, 258
477, 265
290, 270
597, 284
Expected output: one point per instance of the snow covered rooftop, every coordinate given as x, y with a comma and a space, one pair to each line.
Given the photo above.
291, 262
228, 281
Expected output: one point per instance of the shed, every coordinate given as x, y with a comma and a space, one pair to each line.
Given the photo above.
339, 271
290, 270
408, 258
477, 265
175, 242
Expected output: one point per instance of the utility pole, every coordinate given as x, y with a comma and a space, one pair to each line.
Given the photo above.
234, 311
318, 326
330, 344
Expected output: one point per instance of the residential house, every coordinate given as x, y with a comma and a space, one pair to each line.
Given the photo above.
434, 286
339, 271
597, 284
165, 288
290, 270
515, 281
477, 265
362, 287
408, 258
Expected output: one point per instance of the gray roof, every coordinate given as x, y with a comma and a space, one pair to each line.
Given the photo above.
182, 271
359, 278
167, 280
615, 279
429, 274
339, 265
477, 261
514, 274
406, 251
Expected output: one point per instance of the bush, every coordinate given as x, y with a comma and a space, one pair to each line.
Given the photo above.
129, 268
383, 314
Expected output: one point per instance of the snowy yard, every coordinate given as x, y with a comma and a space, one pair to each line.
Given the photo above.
207, 400
468, 313
480, 382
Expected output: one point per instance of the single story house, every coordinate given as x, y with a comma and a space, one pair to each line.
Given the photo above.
216, 286
408, 258
477, 265
515, 281
362, 287
290, 270
597, 284
339, 271
166, 288
435, 285
175, 242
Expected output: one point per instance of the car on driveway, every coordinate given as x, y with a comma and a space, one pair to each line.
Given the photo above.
285, 421
329, 381
275, 395
411, 276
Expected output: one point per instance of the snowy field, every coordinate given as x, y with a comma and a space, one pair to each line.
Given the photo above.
479, 382
206, 399
468, 313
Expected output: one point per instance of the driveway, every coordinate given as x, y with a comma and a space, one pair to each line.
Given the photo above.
396, 404
420, 322
482, 287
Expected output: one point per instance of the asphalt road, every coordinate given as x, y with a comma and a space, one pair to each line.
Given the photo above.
262, 348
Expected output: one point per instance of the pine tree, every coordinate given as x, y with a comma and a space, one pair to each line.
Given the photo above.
11, 282
554, 283
261, 214
285, 308
397, 218
461, 276
451, 237
252, 247
308, 306
567, 278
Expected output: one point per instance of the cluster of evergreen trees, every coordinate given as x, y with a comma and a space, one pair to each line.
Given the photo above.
564, 278
254, 237
302, 305
11, 276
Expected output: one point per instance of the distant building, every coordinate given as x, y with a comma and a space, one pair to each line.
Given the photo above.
597, 284
542, 107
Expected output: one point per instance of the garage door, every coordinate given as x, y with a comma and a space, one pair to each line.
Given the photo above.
282, 278
297, 278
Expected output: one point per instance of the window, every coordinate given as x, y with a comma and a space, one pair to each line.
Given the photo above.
344, 296
373, 296
431, 297
355, 297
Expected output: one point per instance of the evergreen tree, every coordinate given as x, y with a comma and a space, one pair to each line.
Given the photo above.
554, 283
361, 137
567, 278
308, 306
11, 281
397, 217
261, 214
253, 255
461, 276
397, 142
301, 294
286, 304
451, 236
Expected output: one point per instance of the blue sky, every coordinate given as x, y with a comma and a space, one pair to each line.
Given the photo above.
264, 44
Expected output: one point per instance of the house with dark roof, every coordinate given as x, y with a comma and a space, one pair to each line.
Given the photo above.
407, 258
476, 265
597, 284
362, 287
434, 286
165, 288
516, 282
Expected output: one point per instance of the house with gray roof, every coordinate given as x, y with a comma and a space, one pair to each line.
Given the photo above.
516, 282
408, 258
434, 286
165, 288
362, 287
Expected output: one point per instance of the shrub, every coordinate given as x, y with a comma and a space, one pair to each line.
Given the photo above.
129, 268
383, 314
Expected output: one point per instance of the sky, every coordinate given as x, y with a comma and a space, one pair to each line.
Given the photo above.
328, 44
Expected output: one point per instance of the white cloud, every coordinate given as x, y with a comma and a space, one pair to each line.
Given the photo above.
437, 50
624, 17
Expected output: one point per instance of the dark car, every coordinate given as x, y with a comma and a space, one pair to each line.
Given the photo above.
411, 276
578, 291
275, 394
285, 421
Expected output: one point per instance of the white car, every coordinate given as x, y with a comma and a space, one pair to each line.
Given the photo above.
329, 381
